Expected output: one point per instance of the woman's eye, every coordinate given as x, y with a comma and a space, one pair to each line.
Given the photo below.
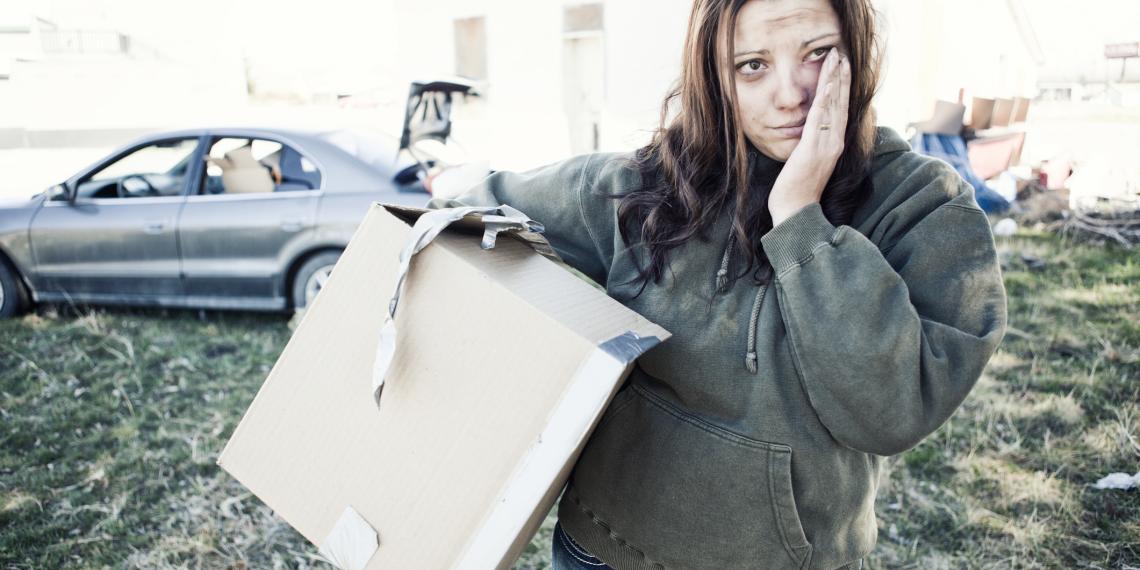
820, 53
751, 66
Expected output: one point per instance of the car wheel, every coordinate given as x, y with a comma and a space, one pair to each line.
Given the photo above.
12, 298
311, 276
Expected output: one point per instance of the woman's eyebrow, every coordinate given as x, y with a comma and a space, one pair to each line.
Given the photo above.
803, 45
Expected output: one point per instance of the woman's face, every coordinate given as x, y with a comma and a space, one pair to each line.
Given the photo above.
780, 48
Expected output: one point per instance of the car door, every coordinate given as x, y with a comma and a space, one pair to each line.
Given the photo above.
114, 237
254, 206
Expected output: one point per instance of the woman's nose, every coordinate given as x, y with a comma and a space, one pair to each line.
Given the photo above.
793, 89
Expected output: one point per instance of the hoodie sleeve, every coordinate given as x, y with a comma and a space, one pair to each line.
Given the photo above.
888, 342
554, 196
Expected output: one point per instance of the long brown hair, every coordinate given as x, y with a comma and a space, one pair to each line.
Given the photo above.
701, 159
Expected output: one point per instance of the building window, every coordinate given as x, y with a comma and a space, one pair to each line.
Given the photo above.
471, 48
582, 18
584, 82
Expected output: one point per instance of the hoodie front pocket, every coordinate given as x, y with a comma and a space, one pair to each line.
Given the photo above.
685, 493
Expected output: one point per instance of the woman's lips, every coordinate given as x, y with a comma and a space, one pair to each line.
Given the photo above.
790, 132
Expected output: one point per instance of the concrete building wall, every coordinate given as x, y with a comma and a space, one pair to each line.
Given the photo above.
187, 63
936, 47
929, 55
546, 88
92, 66
519, 119
539, 83
643, 61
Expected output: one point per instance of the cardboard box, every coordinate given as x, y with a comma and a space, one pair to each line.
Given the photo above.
503, 364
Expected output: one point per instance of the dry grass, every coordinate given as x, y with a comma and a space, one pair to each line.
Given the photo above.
113, 420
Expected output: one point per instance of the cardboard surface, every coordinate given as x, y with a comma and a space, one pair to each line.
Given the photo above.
981, 113
946, 120
1020, 109
496, 382
1002, 113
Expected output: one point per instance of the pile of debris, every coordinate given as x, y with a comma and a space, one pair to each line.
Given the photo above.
1096, 200
1104, 201
1108, 225
982, 149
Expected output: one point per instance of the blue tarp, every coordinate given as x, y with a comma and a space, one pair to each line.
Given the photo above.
952, 149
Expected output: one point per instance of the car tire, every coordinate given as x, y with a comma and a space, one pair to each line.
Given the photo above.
310, 277
13, 299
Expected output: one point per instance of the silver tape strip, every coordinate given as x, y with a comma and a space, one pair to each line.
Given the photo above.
628, 346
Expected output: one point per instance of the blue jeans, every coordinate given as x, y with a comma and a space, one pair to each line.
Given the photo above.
566, 554
569, 555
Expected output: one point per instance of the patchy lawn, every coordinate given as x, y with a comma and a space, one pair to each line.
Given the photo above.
113, 420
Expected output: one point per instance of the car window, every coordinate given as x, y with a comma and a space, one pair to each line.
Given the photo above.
157, 169
257, 166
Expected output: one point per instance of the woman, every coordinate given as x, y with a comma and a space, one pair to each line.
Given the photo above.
832, 296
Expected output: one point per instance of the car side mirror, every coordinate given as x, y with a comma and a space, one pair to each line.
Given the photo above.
59, 193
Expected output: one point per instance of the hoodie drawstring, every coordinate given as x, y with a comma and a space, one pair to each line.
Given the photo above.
722, 286
750, 357
722, 274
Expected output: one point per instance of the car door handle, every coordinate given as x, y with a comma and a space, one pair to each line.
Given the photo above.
154, 228
291, 225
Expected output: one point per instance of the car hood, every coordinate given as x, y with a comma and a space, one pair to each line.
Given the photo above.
11, 203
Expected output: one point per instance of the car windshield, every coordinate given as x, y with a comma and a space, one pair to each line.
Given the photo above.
154, 170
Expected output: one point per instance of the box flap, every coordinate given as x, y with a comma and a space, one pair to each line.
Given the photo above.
474, 224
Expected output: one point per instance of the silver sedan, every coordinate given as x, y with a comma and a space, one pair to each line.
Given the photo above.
212, 218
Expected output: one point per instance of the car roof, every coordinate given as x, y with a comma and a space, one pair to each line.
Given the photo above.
298, 135
362, 152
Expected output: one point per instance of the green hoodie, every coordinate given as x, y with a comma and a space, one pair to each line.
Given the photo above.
755, 436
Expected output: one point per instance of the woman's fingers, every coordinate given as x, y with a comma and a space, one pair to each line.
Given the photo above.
820, 84
820, 116
843, 98
832, 89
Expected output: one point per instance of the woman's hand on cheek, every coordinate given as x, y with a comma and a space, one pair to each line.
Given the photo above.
807, 170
